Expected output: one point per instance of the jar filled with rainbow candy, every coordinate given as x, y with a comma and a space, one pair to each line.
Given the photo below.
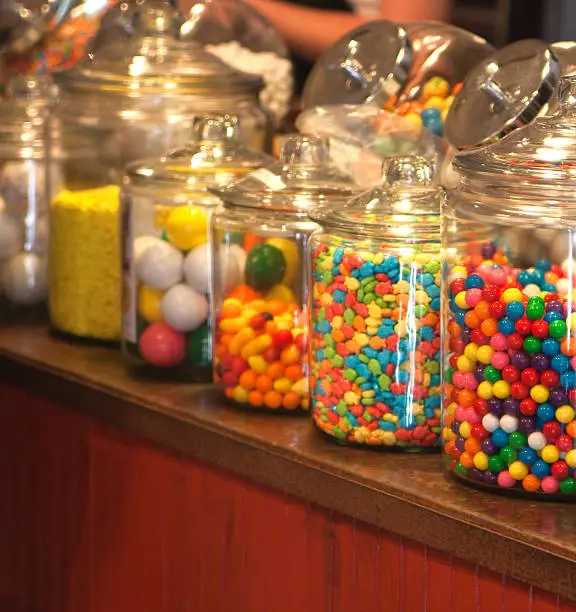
166, 209
509, 394
260, 295
375, 314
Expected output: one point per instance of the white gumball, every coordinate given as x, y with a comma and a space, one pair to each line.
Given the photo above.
10, 237
232, 264
490, 422
160, 266
562, 286
197, 268
25, 279
531, 290
509, 423
183, 308
537, 440
142, 243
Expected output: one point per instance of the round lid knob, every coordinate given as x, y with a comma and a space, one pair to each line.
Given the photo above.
504, 92
370, 63
302, 150
216, 128
410, 171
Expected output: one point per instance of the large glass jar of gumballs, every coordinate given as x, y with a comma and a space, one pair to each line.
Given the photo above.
375, 314
509, 420
166, 208
260, 283
24, 195
128, 100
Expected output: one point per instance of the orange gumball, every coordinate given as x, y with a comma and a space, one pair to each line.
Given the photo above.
273, 400
251, 241
264, 383
248, 380
489, 327
466, 460
291, 401
256, 398
276, 370
472, 320
482, 310
244, 293
290, 355
472, 446
294, 372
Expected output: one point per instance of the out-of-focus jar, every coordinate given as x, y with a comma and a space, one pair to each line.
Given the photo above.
24, 194
128, 100
166, 209
413, 70
260, 300
510, 356
375, 314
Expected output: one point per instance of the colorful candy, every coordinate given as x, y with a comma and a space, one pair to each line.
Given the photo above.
509, 419
376, 347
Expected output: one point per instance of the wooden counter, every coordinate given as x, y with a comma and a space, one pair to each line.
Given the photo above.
124, 494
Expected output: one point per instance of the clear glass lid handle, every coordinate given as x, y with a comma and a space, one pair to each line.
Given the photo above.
216, 128
567, 94
303, 150
411, 170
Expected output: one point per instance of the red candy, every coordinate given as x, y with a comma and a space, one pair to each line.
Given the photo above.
162, 346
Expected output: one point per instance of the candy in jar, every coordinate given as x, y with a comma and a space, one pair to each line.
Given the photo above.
375, 315
260, 316
510, 361
24, 176
166, 210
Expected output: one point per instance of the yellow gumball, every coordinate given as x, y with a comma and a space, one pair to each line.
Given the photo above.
280, 293
187, 227
436, 86
291, 255
436, 102
149, 304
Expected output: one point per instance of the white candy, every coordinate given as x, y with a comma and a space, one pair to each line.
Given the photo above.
142, 243
568, 266
26, 279
275, 71
240, 255
563, 285
183, 308
490, 422
531, 290
197, 268
509, 423
537, 441
160, 266
10, 237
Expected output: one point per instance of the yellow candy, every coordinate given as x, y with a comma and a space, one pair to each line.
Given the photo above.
337, 322
484, 353
550, 453
501, 389
256, 346
460, 300
480, 461
464, 364
353, 284
512, 295
280, 293
465, 429
291, 255
571, 321
187, 227
361, 434
571, 458
565, 414
351, 398
484, 390
471, 351
518, 470
234, 325
374, 310
400, 329
436, 102
414, 119
282, 385
240, 395
436, 86
301, 387
149, 304
540, 394
242, 338
361, 339
258, 364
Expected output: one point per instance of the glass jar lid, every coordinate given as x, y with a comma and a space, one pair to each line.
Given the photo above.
213, 158
406, 209
23, 114
504, 92
301, 180
370, 63
153, 60
542, 153
24, 22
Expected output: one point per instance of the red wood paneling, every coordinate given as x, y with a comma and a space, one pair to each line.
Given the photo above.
94, 521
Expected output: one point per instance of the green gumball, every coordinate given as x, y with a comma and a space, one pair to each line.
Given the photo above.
199, 352
265, 267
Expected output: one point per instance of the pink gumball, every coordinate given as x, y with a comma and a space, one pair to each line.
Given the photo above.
460, 413
499, 360
469, 381
472, 416
498, 342
505, 480
549, 484
162, 346
573, 363
498, 276
473, 296
458, 379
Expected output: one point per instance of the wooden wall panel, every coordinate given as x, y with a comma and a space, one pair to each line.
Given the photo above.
92, 520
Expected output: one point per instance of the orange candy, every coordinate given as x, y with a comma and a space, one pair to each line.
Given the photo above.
489, 327
531, 482
472, 320
466, 460
294, 372
244, 294
256, 398
264, 383
290, 355
291, 401
482, 310
273, 400
568, 346
248, 379
466, 397
231, 309
276, 370
571, 429
472, 446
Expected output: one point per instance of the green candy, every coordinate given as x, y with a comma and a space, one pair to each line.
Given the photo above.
496, 463
369, 298
329, 353
337, 361
384, 382
265, 266
342, 408
568, 486
348, 316
535, 308
517, 439
558, 329
236, 238
508, 454
350, 374
460, 469
492, 374
199, 346
374, 367
532, 344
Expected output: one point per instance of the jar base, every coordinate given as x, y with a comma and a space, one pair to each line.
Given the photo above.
69, 337
197, 375
414, 450
15, 314
510, 493
298, 412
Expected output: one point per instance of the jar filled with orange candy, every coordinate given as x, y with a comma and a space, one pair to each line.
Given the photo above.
260, 286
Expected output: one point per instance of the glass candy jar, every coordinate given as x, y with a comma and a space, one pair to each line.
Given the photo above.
375, 314
128, 100
23, 194
509, 392
260, 282
166, 256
